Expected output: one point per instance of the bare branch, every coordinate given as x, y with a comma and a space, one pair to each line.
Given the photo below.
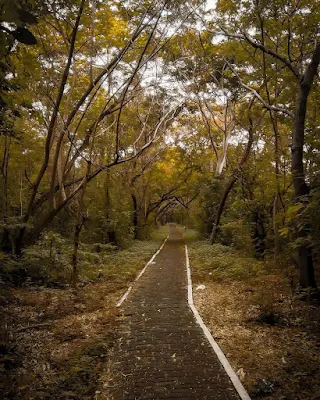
258, 96
272, 53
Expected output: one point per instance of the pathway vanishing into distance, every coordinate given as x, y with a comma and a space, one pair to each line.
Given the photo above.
162, 352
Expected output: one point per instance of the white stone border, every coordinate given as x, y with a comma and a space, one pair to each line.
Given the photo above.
222, 358
124, 297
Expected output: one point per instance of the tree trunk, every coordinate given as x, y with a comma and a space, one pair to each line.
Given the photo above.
6, 237
274, 120
110, 232
301, 189
259, 233
29, 237
6, 244
76, 243
222, 203
232, 181
307, 278
19, 241
275, 226
135, 216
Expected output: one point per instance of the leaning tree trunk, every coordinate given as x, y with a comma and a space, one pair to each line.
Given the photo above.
301, 189
222, 204
232, 181
28, 237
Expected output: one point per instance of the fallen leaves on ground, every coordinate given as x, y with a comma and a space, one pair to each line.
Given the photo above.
56, 342
267, 334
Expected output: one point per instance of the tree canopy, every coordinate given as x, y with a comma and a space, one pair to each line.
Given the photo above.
119, 116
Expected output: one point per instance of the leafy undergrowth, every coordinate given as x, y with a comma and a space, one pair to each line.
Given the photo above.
190, 235
55, 341
120, 266
48, 263
269, 335
222, 263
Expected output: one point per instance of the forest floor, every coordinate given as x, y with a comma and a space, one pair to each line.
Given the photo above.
54, 342
270, 335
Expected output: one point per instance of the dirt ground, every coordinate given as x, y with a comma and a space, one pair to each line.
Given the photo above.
271, 337
54, 342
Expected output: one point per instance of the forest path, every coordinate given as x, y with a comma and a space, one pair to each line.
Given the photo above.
162, 352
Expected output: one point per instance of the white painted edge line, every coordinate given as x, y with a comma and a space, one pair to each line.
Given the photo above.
124, 297
243, 394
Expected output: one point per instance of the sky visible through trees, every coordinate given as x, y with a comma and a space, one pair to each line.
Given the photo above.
202, 112
118, 117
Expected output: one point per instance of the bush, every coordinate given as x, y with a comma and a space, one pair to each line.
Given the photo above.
236, 234
44, 266
104, 248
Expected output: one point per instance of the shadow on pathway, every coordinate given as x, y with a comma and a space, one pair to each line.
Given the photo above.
162, 352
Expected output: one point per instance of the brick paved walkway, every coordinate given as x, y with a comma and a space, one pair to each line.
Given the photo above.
162, 352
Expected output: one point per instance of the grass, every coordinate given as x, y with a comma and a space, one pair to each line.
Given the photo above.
119, 266
123, 266
159, 234
221, 263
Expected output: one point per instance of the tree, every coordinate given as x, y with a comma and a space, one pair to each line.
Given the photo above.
300, 59
82, 101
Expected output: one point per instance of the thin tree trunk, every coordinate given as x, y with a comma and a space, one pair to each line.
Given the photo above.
76, 243
275, 226
259, 233
19, 240
301, 189
53, 119
222, 204
274, 120
230, 184
135, 216
6, 238
110, 232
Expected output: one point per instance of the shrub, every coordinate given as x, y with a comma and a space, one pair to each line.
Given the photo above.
104, 248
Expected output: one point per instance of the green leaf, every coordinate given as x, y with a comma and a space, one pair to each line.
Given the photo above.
294, 210
10, 13
27, 17
13, 13
284, 231
24, 36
